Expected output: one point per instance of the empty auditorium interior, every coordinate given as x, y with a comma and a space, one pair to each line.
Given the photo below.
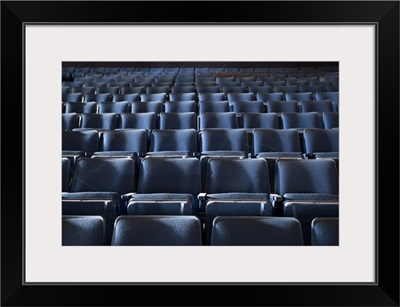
200, 153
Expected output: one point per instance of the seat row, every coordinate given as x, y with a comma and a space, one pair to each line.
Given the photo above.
72, 74
186, 231
191, 120
201, 107
205, 188
312, 142
123, 70
210, 95
203, 78
145, 87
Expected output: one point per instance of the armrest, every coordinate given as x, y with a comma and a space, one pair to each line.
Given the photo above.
277, 204
202, 199
309, 156
126, 196
201, 196
90, 196
276, 200
275, 197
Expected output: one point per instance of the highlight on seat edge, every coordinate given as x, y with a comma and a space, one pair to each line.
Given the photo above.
200, 154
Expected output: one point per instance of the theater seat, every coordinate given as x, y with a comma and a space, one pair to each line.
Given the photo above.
256, 230
325, 231
83, 230
155, 230
166, 185
235, 187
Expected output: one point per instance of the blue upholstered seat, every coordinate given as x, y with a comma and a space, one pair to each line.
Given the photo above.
256, 230
156, 230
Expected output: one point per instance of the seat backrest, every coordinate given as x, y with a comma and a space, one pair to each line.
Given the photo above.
70, 121
147, 120
182, 96
95, 70
178, 120
218, 120
278, 106
332, 87
330, 120
66, 90
165, 78
112, 69
217, 96
250, 83
162, 85
97, 83
157, 89
241, 97
259, 89
83, 69
270, 96
203, 89
286, 89
183, 140
248, 106
276, 83
300, 120
312, 88
109, 90
224, 140
297, 82
112, 174
160, 97
246, 69
316, 106
119, 84
134, 140
157, 230
225, 79
325, 231
169, 175
180, 106
260, 120
214, 106
80, 107
73, 97
321, 140
308, 176
126, 97
147, 106
236, 176
103, 97
83, 230
86, 140
299, 96
84, 90
99, 120
183, 88
114, 107
276, 140
333, 96
226, 89
256, 230
133, 90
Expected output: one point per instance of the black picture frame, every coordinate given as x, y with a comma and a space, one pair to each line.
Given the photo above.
384, 14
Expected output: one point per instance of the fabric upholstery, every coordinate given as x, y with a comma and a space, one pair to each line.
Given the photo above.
256, 230
157, 230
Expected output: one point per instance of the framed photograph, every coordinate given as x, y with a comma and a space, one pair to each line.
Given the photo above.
39, 39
